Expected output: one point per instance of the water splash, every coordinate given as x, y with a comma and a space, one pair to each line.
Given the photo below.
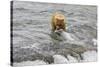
67, 36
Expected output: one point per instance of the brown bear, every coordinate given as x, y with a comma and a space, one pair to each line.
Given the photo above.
58, 22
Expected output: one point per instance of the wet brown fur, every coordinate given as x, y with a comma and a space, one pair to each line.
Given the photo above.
58, 22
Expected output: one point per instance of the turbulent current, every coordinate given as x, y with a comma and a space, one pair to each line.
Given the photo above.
34, 43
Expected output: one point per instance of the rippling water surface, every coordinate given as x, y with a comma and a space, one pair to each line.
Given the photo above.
33, 39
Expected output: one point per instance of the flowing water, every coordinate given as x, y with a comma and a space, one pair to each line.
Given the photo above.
33, 39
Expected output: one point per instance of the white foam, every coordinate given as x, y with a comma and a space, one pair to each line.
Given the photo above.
59, 59
89, 56
67, 36
35, 45
94, 42
29, 63
72, 59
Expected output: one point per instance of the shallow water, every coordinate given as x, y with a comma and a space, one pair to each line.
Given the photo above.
34, 40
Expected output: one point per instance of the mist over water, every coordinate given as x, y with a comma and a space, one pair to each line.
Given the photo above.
34, 42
